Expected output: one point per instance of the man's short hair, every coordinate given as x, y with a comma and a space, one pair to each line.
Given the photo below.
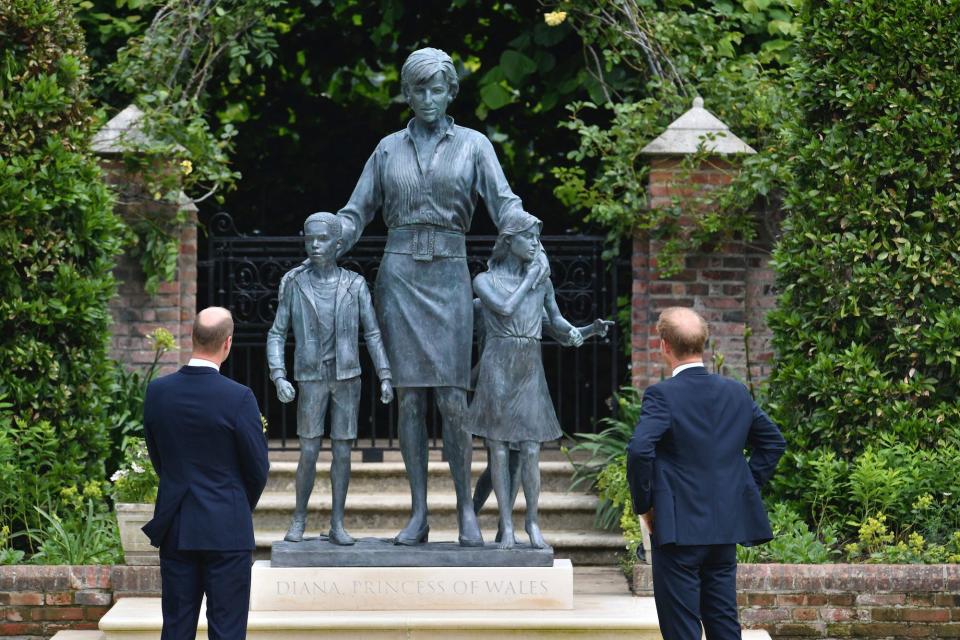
333, 222
685, 339
210, 336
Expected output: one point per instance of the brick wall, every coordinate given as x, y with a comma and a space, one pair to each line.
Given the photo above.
38, 601
729, 285
136, 313
843, 601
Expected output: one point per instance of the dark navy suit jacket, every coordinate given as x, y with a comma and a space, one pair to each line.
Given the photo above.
206, 442
686, 461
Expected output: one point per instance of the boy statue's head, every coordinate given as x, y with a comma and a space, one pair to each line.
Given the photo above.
321, 236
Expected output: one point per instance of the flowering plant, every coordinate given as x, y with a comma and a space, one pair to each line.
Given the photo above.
135, 480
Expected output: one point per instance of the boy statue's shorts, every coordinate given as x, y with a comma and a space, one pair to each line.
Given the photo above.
341, 397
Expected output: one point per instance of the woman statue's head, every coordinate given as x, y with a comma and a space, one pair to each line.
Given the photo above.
519, 237
429, 83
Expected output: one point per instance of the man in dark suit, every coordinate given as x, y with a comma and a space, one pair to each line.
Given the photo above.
692, 485
206, 443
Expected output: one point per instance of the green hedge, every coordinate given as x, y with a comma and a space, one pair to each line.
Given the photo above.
58, 240
867, 331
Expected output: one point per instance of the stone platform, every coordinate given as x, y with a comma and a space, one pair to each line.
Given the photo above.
595, 617
380, 552
411, 588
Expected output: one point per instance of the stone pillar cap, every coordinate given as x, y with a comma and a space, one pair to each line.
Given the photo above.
696, 130
123, 133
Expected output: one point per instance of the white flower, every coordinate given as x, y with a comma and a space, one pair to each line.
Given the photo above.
136, 468
119, 474
554, 18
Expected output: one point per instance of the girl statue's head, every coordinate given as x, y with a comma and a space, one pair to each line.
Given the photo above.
519, 237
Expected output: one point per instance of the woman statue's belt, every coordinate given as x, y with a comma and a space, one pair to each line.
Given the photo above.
425, 243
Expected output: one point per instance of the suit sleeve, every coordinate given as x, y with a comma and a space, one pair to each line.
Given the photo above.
766, 446
251, 448
641, 452
371, 333
152, 450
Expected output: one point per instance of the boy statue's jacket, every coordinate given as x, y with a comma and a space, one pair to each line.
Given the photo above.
353, 306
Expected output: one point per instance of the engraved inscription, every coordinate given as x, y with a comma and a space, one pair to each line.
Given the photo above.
318, 588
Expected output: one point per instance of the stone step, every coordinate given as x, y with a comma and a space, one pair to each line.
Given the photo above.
391, 511
583, 548
378, 477
599, 617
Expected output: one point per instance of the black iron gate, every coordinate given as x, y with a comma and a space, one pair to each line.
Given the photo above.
242, 273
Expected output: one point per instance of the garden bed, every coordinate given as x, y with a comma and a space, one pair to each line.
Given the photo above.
843, 600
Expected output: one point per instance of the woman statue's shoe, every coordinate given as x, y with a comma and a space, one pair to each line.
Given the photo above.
420, 537
469, 529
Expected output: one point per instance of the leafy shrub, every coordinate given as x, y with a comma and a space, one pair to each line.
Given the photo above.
135, 480
877, 543
88, 536
869, 316
8, 555
793, 541
604, 455
127, 391
58, 239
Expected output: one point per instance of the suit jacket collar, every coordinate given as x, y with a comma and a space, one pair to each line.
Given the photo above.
198, 371
693, 371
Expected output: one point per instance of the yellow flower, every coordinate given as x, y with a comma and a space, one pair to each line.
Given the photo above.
554, 18
187, 167
161, 339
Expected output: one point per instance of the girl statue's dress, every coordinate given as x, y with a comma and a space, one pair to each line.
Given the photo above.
512, 402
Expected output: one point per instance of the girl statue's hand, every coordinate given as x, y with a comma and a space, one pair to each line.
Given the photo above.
544, 264
575, 337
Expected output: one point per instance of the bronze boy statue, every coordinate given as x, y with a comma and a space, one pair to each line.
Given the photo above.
326, 305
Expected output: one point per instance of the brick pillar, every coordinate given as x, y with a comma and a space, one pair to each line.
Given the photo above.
730, 285
135, 312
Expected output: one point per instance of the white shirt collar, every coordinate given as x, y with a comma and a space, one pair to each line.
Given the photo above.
684, 367
200, 362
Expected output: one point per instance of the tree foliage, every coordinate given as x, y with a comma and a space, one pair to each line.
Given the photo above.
868, 323
731, 54
58, 240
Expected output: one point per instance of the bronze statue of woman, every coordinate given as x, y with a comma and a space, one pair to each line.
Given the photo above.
425, 181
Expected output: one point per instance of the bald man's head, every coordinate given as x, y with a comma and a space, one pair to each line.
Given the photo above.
211, 329
684, 330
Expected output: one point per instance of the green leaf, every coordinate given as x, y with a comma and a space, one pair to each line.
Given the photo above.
495, 96
516, 66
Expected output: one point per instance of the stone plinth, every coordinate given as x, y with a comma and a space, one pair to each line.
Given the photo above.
597, 617
379, 552
410, 588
